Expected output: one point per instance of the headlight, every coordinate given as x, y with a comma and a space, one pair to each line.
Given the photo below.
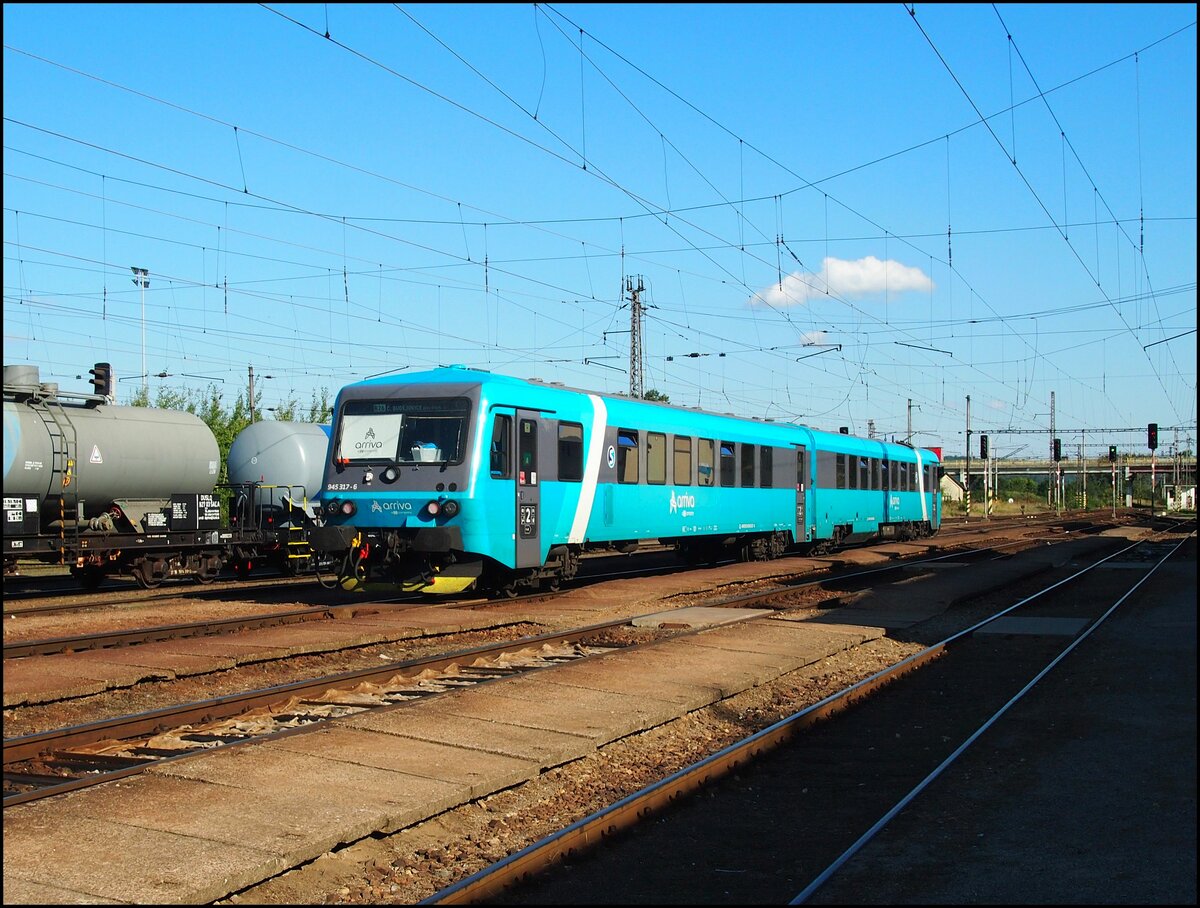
446, 507
337, 506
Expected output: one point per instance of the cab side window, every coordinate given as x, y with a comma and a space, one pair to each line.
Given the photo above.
501, 458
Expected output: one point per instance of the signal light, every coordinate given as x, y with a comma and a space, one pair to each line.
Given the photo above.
1057, 449
102, 379
1112, 453
1152, 436
983, 446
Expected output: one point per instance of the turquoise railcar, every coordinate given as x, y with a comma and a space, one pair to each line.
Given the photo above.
456, 478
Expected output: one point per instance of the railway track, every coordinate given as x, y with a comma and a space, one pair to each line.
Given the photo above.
989, 666
57, 761
210, 627
283, 706
68, 759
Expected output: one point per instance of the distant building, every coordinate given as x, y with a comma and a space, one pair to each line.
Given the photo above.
952, 489
1181, 498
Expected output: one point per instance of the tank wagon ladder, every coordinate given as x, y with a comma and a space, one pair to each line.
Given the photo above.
63, 443
297, 549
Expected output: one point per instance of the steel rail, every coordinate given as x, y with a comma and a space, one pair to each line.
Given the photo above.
631, 810
30, 747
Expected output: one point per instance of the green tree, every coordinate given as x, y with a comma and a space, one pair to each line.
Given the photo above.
319, 409
652, 394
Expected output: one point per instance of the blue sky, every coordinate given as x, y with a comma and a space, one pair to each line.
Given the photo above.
840, 215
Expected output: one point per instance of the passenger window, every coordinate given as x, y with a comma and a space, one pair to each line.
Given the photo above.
500, 462
747, 466
683, 461
527, 453
841, 471
851, 472
728, 465
656, 458
627, 455
570, 451
704, 462
765, 467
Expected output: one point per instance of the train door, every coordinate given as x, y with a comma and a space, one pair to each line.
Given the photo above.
529, 518
802, 482
890, 480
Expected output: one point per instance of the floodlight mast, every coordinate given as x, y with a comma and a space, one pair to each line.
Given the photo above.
141, 277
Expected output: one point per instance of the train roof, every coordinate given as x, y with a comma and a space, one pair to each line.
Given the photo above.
617, 402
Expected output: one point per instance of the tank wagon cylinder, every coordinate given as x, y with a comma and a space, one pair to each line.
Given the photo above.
115, 452
290, 455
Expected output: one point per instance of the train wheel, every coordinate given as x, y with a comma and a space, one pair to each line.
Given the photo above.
143, 573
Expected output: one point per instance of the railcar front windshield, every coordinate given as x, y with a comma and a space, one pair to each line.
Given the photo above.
405, 430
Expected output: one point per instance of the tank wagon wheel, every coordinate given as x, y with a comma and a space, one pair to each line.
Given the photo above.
143, 573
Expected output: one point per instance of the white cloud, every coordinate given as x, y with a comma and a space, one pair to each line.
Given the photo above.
846, 280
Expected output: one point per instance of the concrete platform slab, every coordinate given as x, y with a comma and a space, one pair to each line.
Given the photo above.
698, 668
426, 720
599, 716
698, 616
476, 772
236, 651
313, 637
269, 822
600, 674
25, 892
424, 621
43, 847
351, 791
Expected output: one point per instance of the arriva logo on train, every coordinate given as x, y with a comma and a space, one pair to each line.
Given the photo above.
391, 506
683, 504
